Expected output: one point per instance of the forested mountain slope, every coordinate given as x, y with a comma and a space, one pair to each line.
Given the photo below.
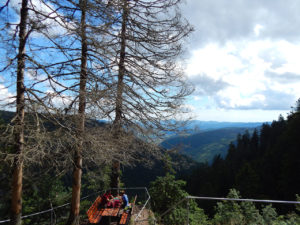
140, 175
263, 165
203, 146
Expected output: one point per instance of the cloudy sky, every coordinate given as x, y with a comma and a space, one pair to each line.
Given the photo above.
243, 58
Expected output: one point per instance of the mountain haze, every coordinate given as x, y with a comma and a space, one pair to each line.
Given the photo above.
199, 125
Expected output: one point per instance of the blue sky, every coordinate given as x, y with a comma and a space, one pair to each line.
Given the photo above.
39, 46
243, 58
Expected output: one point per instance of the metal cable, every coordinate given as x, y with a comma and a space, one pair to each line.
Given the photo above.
52, 209
228, 199
139, 214
57, 207
188, 197
244, 200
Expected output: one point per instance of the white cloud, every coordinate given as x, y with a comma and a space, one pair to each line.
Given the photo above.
188, 107
214, 61
220, 21
247, 74
232, 115
253, 48
6, 97
257, 29
52, 23
59, 101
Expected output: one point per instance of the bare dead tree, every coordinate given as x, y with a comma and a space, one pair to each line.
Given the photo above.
62, 69
77, 172
28, 141
4, 6
16, 200
150, 87
117, 124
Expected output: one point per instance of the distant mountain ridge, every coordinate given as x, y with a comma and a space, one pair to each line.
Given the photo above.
206, 138
214, 125
211, 139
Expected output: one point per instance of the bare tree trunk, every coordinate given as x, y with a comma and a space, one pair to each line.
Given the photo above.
77, 172
16, 200
115, 177
115, 174
119, 99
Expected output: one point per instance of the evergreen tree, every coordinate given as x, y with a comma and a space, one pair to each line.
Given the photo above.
167, 192
264, 165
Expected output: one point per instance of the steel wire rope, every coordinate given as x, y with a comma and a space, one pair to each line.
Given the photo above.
144, 206
57, 207
244, 200
223, 199
52, 209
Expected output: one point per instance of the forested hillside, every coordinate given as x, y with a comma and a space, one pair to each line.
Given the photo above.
263, 165
142, 174
247, 167
203, 146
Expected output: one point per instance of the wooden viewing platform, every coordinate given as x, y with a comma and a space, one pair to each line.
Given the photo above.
99, 215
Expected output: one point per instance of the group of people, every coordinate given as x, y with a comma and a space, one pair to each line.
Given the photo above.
110, 201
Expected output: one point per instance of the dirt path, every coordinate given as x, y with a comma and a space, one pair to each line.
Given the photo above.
143, 219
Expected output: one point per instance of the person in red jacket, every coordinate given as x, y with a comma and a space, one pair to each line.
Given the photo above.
106, 199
